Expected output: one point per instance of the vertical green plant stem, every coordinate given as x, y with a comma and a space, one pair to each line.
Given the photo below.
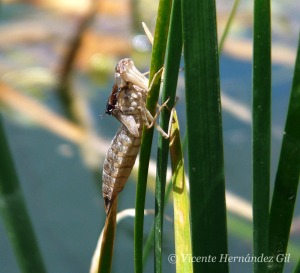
157, 61
261, 129
181, 203
204, 129
15, 215
221, 43
297, 268
287, 177
150, 240
173, 55
107, 244
228, 24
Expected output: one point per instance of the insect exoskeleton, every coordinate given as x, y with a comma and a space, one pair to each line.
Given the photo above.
127, 74
126, 102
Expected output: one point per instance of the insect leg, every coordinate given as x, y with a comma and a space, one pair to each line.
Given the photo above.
159, 129
148, 33
175, 102
158, 112
157, 74
153, 119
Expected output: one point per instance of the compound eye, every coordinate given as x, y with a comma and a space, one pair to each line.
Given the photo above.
109, 108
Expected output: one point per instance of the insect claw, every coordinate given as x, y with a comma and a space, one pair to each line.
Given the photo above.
102, 116
107, 204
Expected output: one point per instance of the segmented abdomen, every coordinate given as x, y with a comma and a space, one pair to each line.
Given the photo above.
118, 164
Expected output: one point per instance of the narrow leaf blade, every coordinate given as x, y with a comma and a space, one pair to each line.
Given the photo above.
261, 129
205, 147
15, 215
287, 177
181, 203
